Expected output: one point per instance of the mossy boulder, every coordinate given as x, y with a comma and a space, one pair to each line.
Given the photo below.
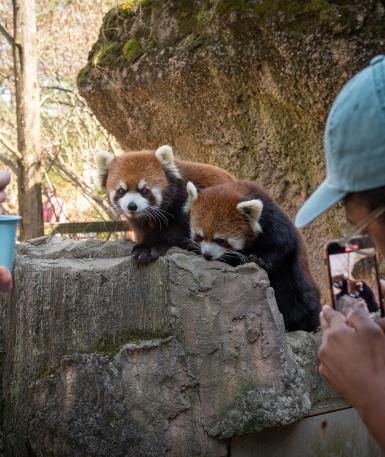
245, 84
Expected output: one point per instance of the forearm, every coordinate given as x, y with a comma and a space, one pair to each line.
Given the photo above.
372, 412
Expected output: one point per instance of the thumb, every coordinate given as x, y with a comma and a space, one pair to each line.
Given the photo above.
359, 318
330, 317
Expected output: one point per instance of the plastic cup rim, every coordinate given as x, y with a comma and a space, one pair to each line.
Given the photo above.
8, 218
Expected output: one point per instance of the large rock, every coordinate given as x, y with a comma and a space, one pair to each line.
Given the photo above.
243, 84
106, 359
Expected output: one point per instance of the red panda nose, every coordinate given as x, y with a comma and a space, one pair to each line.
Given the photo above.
132, 206
207, 256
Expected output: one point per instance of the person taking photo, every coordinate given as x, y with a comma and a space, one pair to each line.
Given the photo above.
352, 353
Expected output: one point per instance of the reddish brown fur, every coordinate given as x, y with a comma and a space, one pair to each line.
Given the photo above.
131, 167
217, 208
202, 174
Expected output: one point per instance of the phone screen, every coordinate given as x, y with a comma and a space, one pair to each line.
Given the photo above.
353, 275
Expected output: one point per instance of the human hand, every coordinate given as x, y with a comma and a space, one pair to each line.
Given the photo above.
352, 356
4, 181
5, 280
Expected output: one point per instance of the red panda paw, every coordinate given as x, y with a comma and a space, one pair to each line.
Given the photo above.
143, 254
255, 259
189, 245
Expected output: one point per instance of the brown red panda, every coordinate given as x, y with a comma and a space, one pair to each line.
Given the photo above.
238, 222
150, 189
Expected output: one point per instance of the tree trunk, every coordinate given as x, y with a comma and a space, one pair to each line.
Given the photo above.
28, 119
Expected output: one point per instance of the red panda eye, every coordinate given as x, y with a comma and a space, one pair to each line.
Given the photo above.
144, 191
220, 241
120, 192
198, 238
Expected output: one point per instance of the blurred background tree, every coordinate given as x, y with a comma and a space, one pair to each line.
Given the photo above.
70, 134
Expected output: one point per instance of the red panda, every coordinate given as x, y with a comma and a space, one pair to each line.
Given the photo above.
238, 222
150, 189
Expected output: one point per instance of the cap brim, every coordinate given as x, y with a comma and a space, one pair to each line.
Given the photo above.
322, 199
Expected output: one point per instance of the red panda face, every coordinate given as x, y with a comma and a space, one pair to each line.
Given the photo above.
136, 184
221, 224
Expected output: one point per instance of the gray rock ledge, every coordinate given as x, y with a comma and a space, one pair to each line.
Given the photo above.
102, 358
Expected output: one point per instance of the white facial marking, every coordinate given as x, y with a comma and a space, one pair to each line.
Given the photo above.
212, 249
123, 185
141, 184
157, 193
236, 243
133, 199
111, 196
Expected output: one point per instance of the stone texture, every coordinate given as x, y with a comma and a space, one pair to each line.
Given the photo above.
245, 84
175, 359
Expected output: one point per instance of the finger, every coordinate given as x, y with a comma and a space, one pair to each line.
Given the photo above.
332, 317
5, 280
359, 318
4, 179
3, 196
323, 321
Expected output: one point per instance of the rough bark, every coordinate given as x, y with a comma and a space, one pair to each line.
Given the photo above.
243, 84
28, 119
175, 359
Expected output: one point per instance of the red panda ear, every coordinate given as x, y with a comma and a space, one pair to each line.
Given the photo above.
165, 155
192, 194
252, 209
103, 160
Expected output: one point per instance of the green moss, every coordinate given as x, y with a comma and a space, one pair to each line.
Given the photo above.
151, 44
83, 73
131, 4
44, 372
111, 347
321, 7
227, 6
203, 17
194, 42
131, 49
107, 54
294, 17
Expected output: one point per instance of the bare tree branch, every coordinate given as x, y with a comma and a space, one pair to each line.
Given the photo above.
7, 35
10, 148
61, 89
86, 190
8, 162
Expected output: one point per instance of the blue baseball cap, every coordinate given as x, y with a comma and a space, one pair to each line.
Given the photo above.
354, 142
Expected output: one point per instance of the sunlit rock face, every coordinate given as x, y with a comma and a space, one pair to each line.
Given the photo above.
243, 84
102, 358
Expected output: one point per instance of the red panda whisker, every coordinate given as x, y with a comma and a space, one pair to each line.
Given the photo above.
165, 212
148, 216
236, 254
157, 216
158, 213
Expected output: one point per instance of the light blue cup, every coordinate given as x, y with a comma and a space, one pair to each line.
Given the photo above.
7, 240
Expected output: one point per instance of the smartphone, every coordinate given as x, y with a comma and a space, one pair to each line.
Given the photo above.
353, 274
